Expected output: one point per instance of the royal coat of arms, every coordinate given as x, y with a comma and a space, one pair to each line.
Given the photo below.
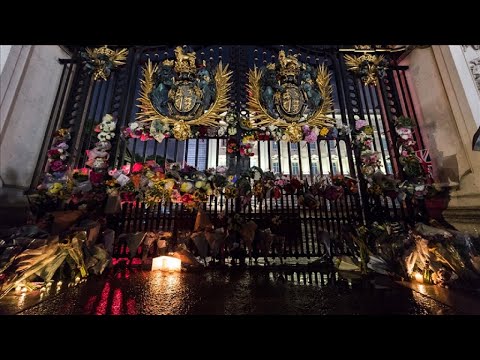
290, 94
183, 93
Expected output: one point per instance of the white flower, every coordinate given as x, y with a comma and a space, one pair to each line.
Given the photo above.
316, 130
232, 130
285, 137
103, 136
107, 117
272, 128
133, 125
221, 131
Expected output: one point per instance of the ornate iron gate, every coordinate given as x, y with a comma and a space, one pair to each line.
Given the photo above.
81, 102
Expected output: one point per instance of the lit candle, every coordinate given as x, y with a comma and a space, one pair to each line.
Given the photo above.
24, 289
59, 283
418, 277
77, 279
18, 288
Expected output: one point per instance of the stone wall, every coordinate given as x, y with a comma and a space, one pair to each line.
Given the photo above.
448, 110
29, 80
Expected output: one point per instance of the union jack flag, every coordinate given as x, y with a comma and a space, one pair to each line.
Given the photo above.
425, 160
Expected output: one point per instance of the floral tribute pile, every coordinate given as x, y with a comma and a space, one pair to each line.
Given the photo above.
228, 127
56, 184
417, 182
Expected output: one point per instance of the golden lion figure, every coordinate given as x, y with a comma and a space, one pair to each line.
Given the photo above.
182, 58
289, 62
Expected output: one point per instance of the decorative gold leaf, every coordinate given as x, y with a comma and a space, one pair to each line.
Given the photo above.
257, 111
320, 118
353, 64
148, 112
261, 117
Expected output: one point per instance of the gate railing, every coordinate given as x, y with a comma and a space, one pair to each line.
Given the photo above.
81, 103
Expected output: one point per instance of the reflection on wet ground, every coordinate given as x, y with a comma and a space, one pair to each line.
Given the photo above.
228, 291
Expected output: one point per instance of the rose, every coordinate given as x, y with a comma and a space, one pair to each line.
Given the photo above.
53, 154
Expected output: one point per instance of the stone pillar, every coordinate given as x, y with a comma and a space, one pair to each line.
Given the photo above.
29, 80
448, 108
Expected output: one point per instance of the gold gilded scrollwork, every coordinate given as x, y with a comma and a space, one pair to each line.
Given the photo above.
367, 66
102, 60
186, 92
289, 117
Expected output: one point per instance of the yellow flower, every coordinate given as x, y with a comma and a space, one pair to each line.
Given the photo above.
324, 131
169, 184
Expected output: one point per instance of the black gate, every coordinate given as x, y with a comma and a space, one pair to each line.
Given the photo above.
81, 102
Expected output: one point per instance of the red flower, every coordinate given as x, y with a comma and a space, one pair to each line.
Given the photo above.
137, 167
277, 193
202, 131
53, 153
187, 198
297, 184
96, 178
145, 137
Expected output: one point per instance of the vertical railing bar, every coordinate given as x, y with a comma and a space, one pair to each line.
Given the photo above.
291, 207
413, 111
304, 229
378, 129
88, 137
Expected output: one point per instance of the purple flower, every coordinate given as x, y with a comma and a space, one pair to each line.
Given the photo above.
360, 124
63, 146
57, 165
311, 138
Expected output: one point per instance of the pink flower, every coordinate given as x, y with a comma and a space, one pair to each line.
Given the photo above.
404, 153
368, 143
126, 169
311, 137
360, 124
404, 133
176, 197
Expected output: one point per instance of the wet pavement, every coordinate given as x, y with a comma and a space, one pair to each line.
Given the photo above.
131, 291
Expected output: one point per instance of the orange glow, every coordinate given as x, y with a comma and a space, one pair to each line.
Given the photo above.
418, 277
166, 263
